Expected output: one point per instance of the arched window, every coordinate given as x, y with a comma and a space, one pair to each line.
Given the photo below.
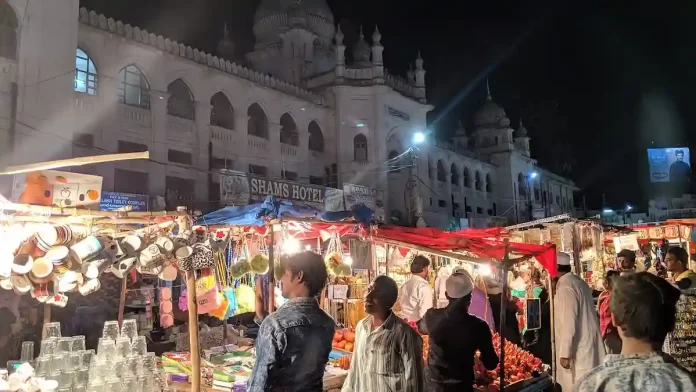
85, 74
477, 181
393, 161
360, 148
8, 32
441, 173
467, 178
180, 101
454, 174
134, 89
521, 185
221, 111
288, 131
258, 122
316, 137
489, 184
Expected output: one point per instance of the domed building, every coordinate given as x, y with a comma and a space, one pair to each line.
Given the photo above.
292, 111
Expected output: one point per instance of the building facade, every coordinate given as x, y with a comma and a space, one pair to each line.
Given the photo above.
76, 83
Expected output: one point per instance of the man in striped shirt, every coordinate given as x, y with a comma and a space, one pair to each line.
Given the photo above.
388, 353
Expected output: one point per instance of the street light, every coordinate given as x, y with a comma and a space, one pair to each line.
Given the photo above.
533, 175
418, 138
629, 207
607, 211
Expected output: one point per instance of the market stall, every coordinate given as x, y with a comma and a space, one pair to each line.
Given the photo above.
483, 251
581, 239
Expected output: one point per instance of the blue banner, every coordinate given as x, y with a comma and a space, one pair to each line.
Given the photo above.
112, 201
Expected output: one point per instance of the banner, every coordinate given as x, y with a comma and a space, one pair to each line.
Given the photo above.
239, 188
113, 201
360, 194
57, 188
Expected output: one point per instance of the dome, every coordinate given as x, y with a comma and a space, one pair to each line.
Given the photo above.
361, 51
276, 16
491, 115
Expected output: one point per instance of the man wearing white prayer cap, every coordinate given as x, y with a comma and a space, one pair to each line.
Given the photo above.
454, 337
579, 346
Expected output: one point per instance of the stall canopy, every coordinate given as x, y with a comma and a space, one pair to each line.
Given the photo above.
302, 222
485, 243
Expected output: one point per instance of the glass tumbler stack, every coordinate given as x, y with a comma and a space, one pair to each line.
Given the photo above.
121, 362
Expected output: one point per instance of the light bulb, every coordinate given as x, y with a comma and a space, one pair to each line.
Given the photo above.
347, 260
485, 270
291, 246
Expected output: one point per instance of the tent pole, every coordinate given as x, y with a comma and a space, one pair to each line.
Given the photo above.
183, 222
553, 330
503, 311
271, 271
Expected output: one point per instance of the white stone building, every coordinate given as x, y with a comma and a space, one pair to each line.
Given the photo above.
76, 83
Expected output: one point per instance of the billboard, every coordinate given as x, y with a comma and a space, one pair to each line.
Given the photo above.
114, 201
671, 164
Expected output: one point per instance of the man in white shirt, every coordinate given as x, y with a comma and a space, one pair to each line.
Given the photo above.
416, 295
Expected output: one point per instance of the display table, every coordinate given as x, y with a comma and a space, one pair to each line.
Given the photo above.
331, 384
536, 384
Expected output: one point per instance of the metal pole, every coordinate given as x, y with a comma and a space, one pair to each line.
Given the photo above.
503, 309
553, 330
271, 271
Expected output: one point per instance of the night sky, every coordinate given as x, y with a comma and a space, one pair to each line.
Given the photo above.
595, 85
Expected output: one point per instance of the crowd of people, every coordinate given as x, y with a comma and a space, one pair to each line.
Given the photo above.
630, 322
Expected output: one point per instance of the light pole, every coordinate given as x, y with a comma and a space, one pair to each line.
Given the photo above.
414, 187
530, 177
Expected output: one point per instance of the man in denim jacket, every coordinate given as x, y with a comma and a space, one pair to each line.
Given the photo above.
294, 342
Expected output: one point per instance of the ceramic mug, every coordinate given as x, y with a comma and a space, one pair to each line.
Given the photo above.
112, 249
94, 268
132, 244
89, 287
123, 267
21, 284
151, 256
22, 264
6, 261
165, 244
168, 273
183, 255
86, 249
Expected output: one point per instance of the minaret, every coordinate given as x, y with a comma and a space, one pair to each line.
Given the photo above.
377, 61
488, 91
226, 47
522, 139
420, 79
410, 75
340, 55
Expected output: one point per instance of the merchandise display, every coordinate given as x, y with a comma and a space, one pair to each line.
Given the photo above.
120, 363
681, 344
520, 365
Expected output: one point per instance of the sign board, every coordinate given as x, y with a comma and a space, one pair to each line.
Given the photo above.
360, 194
113, 201
533, 314
239, 188
629, 241
57, 188
338, 291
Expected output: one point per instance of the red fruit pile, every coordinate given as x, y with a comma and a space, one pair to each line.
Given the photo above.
519, 366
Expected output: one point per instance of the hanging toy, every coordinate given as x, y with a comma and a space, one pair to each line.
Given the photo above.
259, 264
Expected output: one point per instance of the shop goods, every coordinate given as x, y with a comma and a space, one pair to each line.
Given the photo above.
344, 340
520, 365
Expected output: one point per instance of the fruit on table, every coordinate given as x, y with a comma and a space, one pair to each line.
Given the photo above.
344, 340
519, 365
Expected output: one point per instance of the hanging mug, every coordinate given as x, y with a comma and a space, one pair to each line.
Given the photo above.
89, 287
151, 256
165, 244
132, 244
183, 256
112, 249
86, 249
123, 267
203, 256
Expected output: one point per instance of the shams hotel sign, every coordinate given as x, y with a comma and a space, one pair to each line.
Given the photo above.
239, 188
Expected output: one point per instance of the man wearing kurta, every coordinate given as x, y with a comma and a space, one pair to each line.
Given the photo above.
579, 346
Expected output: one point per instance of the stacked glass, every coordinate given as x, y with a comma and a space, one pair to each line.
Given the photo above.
121, 362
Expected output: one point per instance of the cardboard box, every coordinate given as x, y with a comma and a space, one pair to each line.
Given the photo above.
57, 188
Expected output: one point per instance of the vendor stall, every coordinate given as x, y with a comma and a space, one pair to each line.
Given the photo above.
481, 252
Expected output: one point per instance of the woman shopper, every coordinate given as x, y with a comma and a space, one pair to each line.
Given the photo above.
610, 335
